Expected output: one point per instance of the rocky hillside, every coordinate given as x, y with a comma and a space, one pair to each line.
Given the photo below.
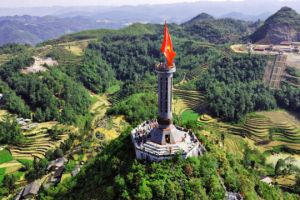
282, 26
218, 30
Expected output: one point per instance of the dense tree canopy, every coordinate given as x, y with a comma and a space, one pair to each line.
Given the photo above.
233, 87
289, 97
10, 132
50, 95
147, 108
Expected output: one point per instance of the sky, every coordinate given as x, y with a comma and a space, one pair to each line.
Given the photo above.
46, 3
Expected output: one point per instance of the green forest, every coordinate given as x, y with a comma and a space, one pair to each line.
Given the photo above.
116, 174
232, 84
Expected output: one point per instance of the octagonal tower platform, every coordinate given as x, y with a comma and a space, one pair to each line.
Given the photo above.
160, 139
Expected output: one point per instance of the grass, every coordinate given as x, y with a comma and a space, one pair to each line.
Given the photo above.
65, 176
19, 175
5, 156
293, 71
2, 173
113, 89
25, 161
76, 50
3, 113
109, 134
189, 115
11, 166
234, 144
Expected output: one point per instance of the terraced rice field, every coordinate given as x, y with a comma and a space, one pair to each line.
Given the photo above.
3, 113
99, 107
75, 48
11, 166
37, 143
193, 99
5, 58
257, 128
179, 106
278, 128
195, 73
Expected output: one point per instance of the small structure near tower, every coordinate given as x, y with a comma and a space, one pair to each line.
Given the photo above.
160, 139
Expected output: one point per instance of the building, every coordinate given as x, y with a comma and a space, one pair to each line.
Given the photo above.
160, 139
266, 180
76, 170
56, 177
55, 164
234, 196
286, 43
259, 48
29, 192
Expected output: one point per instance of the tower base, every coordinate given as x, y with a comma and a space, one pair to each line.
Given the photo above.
155, 144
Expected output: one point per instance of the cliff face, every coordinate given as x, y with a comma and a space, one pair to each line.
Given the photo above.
282, 26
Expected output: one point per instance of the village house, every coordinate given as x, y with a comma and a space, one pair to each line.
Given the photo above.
57, 174
57, 163
266, 180
29, 192
76, 170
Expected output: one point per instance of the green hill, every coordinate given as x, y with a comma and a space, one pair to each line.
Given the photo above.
282, 26
214, 30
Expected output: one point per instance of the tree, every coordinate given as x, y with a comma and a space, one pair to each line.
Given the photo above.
279, 167
58, 153
297, 185
158, 188
145, 191
10, 131
9, 181
197, 191
188, 169
223, 137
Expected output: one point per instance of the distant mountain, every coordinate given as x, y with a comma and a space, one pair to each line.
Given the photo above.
218, 30
200, 17
32, 30
170, 11
241, 16
284, 25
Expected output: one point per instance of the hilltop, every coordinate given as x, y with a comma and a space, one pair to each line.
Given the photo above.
218, 30
284, 25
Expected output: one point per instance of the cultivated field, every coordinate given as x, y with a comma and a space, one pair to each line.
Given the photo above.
76, 47
37, 142
5, 58
190, 99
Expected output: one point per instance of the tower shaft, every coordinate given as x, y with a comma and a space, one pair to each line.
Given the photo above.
165, 87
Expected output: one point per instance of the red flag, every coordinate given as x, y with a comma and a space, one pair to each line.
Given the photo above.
167, 47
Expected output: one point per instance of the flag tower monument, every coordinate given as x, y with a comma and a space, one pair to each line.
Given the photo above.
160, 139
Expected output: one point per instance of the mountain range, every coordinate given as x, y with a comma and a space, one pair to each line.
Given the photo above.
33, 30
283, 25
